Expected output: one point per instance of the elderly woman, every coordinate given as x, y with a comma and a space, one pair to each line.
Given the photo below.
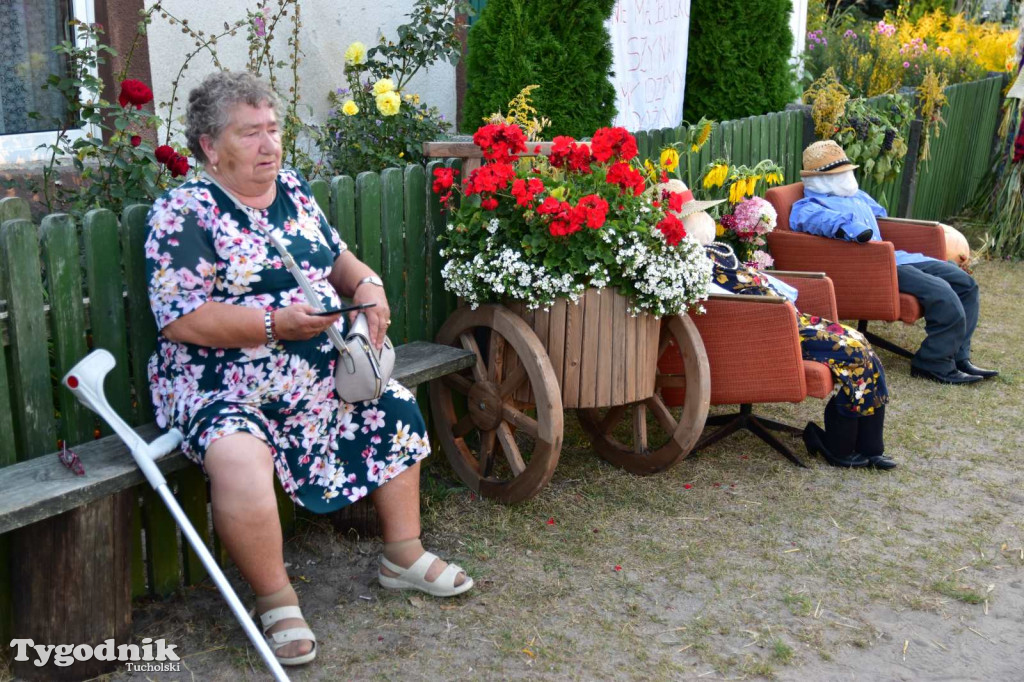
855, 415
245, 369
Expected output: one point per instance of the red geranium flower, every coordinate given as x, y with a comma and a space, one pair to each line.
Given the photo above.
490, 177
524, 191
489, 204
134, 92
444, 178
596, 210
613, 142
672, 228
500, 142
626, 177
163, 153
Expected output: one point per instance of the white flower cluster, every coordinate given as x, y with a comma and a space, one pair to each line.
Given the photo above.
668, 281
505, 275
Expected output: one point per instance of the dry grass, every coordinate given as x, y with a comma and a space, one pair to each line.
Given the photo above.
758, 570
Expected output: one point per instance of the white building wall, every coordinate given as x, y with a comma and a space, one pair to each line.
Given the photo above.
328, 28
798, 25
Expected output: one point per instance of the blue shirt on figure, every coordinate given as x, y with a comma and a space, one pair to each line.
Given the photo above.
828, 215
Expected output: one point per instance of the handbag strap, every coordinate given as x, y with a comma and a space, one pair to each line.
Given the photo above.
289, 262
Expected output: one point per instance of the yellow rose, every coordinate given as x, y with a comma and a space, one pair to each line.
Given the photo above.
355, 54
669, 159
350, 108
382, 86
388, 103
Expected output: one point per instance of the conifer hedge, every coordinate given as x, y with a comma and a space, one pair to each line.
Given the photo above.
738, 59
561, 45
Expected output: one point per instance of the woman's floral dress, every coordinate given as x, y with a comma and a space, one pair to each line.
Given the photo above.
850, 357
201, 248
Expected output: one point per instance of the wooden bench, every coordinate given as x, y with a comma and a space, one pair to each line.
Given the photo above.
75, 550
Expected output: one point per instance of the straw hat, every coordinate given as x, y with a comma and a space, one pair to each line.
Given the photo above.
825, 158
690, 205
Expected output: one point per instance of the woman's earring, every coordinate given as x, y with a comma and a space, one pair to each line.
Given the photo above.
214, 168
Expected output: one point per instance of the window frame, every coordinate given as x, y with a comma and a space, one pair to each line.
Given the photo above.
23, 148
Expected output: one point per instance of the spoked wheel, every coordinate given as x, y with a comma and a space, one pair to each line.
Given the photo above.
649, 436
502, 448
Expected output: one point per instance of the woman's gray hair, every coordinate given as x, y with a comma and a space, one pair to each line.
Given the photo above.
210, 104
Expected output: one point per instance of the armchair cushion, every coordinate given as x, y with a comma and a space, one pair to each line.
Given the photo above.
816, 295
753, 350
819, 379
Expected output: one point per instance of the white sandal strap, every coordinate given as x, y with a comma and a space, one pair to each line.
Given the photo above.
291, 635
417, 571
268, 618
448, 576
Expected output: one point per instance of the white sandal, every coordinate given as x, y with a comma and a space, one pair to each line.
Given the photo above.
415, 577
278, 639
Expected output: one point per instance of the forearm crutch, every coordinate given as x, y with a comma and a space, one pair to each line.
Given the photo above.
85, 380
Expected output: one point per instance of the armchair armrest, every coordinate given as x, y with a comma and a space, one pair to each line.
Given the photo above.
753, 349
816, 295
914, 236
864, 275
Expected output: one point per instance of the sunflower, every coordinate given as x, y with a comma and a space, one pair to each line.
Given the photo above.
669, 159
716, 176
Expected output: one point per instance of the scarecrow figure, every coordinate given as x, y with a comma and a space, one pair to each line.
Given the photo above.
834, 206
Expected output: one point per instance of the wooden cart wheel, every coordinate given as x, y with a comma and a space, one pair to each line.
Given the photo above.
648, 436
502, 449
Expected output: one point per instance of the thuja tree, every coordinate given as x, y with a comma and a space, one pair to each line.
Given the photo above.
560, 45
738, 59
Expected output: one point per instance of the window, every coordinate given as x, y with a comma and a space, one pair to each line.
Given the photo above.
30, 29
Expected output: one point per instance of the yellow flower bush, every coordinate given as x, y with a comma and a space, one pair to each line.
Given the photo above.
389, 103
382, 86
355, 54
350, 108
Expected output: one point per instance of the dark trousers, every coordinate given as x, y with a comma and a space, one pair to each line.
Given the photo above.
949, 297
845, 435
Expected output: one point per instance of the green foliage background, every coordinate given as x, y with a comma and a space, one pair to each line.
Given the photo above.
561, 45
738, 59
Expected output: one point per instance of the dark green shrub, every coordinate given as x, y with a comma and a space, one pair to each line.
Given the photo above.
738, 59
561, 45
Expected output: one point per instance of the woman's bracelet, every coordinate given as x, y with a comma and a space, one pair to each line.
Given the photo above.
269, 326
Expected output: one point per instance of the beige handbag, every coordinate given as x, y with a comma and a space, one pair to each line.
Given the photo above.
362, 372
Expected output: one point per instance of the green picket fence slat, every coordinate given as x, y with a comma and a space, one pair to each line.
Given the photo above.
106, 303
192, 495
392, 229
368, 209
343, 210
436, 225
67, 319
161, 545
417, 282
142, 330
33, 391
321, 194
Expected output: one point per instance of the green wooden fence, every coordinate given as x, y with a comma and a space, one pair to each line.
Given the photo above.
390, 219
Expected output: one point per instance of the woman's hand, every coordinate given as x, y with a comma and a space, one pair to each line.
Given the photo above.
298, 323
378, 317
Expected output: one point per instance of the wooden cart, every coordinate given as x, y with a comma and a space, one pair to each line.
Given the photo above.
500, 422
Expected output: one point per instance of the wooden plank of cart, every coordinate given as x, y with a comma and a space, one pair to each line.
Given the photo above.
500, 421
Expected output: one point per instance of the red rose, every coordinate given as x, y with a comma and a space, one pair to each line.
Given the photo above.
136, 140
178, 165
163, 153
134, 92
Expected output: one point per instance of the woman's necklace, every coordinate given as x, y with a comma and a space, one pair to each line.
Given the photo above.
726, 256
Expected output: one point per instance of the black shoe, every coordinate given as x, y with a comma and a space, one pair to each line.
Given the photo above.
955, 377
968, 367
881, 462
813, 441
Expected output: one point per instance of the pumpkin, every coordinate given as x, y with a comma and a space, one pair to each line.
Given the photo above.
957, 248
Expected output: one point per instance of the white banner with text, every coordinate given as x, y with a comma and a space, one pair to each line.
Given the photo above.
649, 41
